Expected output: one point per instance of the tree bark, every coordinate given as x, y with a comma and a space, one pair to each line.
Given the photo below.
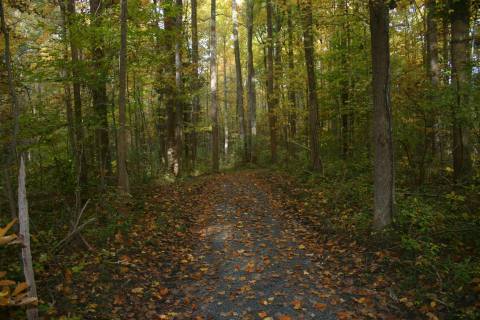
24, 233
271, 100
308, 43
461, 74
225, 101
123, 182
170, 84
66, 86
80, 158
382, 119
252, 101
292, 101
12, 146
239, 84
213, 88
195, 82
99, 92
179, 101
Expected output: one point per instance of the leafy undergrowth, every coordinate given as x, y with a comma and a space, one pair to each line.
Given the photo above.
429, 255
134, 243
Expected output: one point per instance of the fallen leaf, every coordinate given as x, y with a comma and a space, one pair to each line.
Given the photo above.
297, 304
320, 306
138, 290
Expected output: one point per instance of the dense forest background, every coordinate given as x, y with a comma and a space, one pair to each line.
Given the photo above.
102, 98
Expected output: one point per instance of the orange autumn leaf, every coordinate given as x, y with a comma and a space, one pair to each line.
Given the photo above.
320, 306
297, 304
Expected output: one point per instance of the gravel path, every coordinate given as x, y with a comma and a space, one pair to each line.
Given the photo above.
250, 264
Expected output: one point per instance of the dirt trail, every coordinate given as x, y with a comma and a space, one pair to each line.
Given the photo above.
250, 262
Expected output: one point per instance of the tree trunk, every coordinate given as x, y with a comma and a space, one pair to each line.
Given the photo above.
271, 100
292, 100
347, 115
252, 101
213, 88
24, 234
195, 82
225, 101
308, 43
461, 74
170, 81
80, 158
12, 146
122, 173
99, 93
179, 101
382, 120
66, 86
278, 68
239, 84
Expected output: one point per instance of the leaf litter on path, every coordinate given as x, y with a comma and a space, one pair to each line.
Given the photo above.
231, 252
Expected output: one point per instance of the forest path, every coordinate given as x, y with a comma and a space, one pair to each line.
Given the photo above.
251, 261
240, 245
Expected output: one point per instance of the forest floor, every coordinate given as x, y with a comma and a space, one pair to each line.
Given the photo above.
225, 246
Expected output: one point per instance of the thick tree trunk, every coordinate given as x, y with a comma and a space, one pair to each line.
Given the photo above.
239, 84
122, 173
271, 100
308, 43
213, 88
461, 74
99, 93
252, 96
382, 119
195, 82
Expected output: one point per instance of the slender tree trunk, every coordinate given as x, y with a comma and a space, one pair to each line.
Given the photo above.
461, 74
239, 82
433, 65
213, 87
308, 43
80, 158
271, 100
99, 93
345, 84
433, 74
292, 100
122, 173
170, 87
195, 82
278, 68
179, 101
225, 100
252, 99
12, 146
66, 86
382, 133
24, 234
